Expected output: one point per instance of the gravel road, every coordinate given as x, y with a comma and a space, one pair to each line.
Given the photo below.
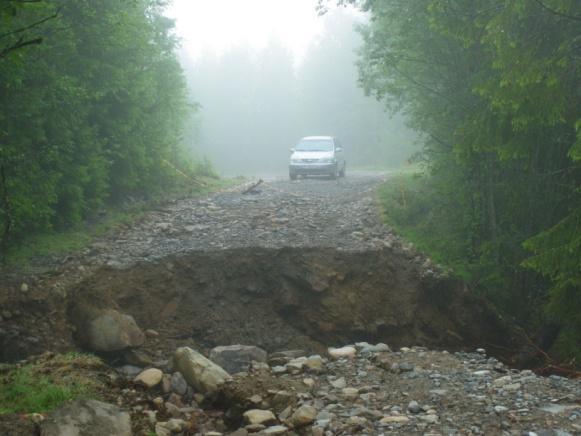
313, 212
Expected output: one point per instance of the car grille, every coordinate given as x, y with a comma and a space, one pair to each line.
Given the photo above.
310, 160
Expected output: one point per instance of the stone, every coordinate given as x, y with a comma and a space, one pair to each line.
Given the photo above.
278, 370
106, 330
149, 378
395, 419
24, 287
166, 384
340, 383
129, 371
501, 381
237, 358
178, 383
202, 374
350, 394
430, 419
87, 418
500, 409
259, 416
315, 363
282, 400
337, 353
288, 354
296, 365
303, 416
137, 358
512, 387
150, 333
414, 407
176, 425
275, 430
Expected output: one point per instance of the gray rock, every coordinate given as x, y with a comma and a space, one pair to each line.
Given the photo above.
237, 358
259, 416
87, 418
414, 407
149, 378
179, 385
107, 330
304, 415
275, 430
201, 373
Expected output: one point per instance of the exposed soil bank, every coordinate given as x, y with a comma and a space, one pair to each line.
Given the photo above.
277, 299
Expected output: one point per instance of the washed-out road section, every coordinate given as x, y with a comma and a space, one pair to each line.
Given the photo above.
302, 264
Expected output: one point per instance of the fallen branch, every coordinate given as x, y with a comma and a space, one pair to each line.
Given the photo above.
252, 187
550, 366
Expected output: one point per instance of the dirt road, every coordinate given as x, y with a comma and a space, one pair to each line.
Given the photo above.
306, 213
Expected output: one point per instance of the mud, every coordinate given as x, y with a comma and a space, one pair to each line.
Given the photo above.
291, 298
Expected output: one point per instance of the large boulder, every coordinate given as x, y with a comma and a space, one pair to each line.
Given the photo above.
237, 358
200, 373
106, 330
87, 418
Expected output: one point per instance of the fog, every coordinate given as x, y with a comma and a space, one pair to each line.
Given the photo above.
254, 102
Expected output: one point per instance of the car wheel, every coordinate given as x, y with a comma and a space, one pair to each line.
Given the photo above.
343, 171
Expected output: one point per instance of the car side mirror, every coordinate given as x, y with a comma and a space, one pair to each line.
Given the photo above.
292, 150
339, 149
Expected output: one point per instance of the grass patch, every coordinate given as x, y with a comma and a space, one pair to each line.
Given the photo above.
412, 208
60, 243
45, 384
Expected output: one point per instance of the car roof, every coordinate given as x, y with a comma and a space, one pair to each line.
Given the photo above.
319, 137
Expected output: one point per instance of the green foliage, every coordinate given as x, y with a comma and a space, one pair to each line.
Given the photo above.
88, 116
59, 243
493, 87
42, 386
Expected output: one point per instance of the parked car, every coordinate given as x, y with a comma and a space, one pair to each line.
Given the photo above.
317, 156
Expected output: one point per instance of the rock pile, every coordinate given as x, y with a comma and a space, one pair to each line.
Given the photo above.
364, 389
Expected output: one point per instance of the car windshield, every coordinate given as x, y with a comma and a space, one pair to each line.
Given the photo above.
315, 145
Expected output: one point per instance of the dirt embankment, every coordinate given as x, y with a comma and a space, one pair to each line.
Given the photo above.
276, 299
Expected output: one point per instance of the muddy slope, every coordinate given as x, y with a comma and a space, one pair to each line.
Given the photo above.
289, 298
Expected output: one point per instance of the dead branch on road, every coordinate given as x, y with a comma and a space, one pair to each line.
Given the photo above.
251, 188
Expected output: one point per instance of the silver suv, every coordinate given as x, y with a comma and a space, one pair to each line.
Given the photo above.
317, 156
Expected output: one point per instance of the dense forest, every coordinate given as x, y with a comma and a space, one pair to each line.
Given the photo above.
93, 101
494, 88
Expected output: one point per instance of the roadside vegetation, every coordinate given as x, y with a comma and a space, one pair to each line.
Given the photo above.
48, 382
493, 88
58, 243
93, 105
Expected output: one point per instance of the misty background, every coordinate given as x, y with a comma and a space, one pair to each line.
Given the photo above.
255, 103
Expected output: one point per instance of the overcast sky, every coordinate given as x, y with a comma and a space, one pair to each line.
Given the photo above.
214, 25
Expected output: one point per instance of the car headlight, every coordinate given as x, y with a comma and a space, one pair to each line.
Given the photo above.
326, 160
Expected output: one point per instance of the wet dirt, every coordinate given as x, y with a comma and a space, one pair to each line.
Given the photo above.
291, 298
